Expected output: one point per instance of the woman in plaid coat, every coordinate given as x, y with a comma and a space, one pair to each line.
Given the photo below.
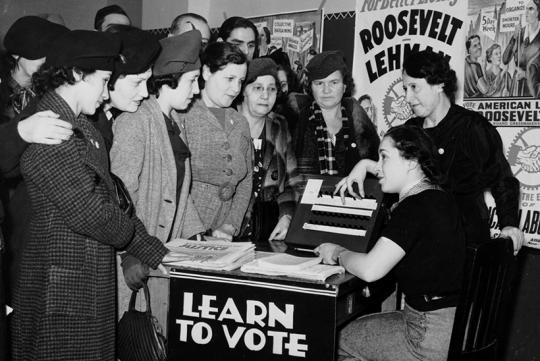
65, 301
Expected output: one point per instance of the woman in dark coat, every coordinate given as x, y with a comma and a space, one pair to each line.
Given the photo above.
333, 133
64, 304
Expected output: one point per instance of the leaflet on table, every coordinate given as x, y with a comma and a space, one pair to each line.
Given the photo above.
208, 254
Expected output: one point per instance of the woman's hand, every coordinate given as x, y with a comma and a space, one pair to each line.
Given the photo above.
135, 272
44, 128
330, 252
281, 228
516, 235
226, 231
357, 175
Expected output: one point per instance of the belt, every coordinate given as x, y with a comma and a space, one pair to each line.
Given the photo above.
433, 301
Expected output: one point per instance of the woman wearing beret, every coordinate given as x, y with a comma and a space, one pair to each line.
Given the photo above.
333, 133
275, 178
64, 304
150, 154
220, 143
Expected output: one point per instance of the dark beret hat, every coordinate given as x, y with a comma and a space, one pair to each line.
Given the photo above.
324, 64
86, 49
259, 67
31, 36
139, 49
179, 54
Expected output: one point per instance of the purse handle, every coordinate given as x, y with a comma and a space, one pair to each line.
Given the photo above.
146, 296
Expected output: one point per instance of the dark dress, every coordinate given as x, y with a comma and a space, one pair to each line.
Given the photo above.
471, 157
65, 301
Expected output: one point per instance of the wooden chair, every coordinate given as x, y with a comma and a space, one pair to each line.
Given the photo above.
489, 269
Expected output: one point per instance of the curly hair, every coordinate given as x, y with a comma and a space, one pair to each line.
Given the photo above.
434, 68
51, 77
414, 143
155, 83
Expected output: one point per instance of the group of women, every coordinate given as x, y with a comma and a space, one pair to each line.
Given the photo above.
217, 160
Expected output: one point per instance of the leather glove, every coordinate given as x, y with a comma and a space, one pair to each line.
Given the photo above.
135, 272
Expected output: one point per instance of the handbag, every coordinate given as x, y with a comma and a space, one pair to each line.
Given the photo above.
139, 335
122, 195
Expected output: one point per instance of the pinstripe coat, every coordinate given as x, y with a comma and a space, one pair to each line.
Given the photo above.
220, 157
65, 305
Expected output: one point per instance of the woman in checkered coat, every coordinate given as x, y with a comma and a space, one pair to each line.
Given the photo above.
65, 301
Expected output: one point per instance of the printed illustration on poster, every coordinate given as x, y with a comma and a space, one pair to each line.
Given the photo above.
298, 34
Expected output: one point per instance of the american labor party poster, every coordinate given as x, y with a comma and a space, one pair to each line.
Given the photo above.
502, 82
386, 31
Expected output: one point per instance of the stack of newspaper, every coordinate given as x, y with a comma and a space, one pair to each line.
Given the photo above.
212, 255
283, 264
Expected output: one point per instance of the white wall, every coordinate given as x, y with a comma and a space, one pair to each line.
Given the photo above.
160, 13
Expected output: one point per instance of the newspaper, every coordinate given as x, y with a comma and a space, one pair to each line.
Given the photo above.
292, 266
214, 255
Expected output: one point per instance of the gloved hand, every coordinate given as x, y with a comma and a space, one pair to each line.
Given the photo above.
135, 272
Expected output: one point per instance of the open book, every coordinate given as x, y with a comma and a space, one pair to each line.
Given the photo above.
309, 268
213, 255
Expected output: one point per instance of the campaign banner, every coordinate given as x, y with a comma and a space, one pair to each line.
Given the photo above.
522, 149
509, 112
283, 28
386, 32
217, 318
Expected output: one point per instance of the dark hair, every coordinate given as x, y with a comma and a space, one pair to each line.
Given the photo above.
537, 3
434, 68
51, 77
114, 29
489, 51
103, 12
155, 83
413, 142
364, 97
469, 41
237, 22
219, 54
267, 34
175, 25
347, 80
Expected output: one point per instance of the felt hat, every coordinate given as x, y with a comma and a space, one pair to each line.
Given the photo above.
84, 49
31, 37
324, 64
179, 54
139, 49
259, 67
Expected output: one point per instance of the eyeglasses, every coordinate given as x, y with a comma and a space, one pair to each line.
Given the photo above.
259, 89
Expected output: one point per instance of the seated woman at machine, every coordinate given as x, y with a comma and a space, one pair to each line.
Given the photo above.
424, 242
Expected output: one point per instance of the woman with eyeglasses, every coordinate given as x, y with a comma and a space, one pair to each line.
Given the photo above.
333, 133
275, 178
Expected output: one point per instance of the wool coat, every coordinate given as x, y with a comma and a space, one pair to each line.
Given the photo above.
362, 134
221, 163
64, 305
142, 156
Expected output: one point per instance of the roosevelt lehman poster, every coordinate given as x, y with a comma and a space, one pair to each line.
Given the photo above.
493, 46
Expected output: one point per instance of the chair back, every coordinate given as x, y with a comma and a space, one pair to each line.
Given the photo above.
489, 269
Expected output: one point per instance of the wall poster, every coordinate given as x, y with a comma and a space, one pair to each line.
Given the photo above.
298, 34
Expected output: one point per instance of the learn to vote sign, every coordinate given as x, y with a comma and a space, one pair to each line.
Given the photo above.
215, 318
